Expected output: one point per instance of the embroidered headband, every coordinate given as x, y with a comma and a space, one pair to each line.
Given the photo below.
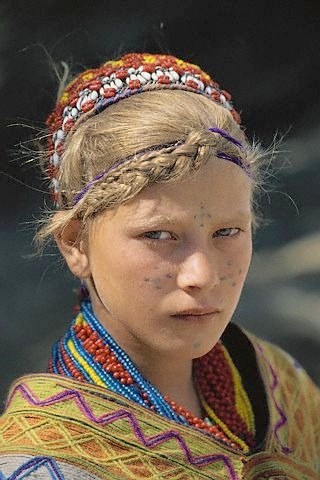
94, 90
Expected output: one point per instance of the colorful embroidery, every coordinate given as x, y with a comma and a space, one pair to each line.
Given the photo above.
87, 352
93, 91
106, 419
59, 427
283, 418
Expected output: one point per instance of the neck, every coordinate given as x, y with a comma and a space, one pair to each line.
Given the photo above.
171, 375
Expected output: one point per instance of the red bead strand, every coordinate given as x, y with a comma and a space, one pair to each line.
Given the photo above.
215, 382
212, 374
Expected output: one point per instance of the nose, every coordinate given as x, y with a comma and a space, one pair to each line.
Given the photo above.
198, 271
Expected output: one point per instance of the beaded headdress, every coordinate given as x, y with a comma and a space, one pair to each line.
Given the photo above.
95, 89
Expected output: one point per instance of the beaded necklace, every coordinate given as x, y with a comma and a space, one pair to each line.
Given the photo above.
87, 352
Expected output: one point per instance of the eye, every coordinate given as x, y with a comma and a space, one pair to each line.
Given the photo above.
227, 232
158, 235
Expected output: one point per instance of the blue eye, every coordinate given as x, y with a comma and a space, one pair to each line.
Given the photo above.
226, 232
158, 235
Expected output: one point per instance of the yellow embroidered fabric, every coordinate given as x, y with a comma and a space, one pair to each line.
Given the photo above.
52, 423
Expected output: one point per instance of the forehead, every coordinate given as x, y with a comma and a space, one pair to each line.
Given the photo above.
220, 188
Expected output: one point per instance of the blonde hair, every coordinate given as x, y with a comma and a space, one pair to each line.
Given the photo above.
138, 124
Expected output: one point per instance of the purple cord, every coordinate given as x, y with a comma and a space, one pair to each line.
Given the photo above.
226, 135
236, 160
224, 156
87, 187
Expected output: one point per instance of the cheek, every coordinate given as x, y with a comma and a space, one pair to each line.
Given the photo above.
157, 279
141, 270
236, 265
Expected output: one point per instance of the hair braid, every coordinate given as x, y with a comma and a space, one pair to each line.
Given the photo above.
156, 166
157, 137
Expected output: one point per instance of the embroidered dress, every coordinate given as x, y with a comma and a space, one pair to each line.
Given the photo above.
62, 428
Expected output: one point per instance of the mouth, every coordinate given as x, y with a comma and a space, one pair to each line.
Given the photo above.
199, 314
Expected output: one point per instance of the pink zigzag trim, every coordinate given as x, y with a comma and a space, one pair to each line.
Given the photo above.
105, 419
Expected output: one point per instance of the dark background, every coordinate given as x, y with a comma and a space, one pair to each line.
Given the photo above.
265, 52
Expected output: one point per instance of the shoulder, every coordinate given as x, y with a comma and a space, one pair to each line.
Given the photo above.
278, 370
281, 365
46, 418
294, 403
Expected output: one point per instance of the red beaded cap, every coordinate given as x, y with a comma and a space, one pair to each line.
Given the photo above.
95, 89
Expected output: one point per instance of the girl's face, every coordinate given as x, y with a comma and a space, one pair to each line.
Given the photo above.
168, 267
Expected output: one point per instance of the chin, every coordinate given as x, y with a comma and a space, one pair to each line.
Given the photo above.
202, 344
202, 350
188, 349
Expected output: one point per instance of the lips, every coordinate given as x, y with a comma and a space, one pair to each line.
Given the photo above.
197, 312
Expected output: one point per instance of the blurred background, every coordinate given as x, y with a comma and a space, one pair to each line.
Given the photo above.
266, 53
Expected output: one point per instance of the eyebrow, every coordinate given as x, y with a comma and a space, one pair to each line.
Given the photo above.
243, 216
154, 220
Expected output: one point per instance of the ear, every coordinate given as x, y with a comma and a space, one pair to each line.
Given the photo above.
73, 248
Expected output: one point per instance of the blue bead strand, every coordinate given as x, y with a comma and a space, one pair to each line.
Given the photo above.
155, 396
56, 360
123, 358
161, 406
107, 378
129, 390
60, 359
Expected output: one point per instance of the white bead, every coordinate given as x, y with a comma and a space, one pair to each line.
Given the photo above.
169, 74
112, 76
154, 76
55, 159
141, 79
140, 69
94, 95
184, 78
57, 143
60, 134
127, 80
160, 73
54, 136
174, 75
201, 85
66, 111
105, 79
55, 184
74, 112
113, 85
101, 91
208, 90
223, 98
131, 70
118, 83
146, 75
79, 102
133, 77
65, 120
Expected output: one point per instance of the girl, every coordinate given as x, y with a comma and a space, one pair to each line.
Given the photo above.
154, 183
